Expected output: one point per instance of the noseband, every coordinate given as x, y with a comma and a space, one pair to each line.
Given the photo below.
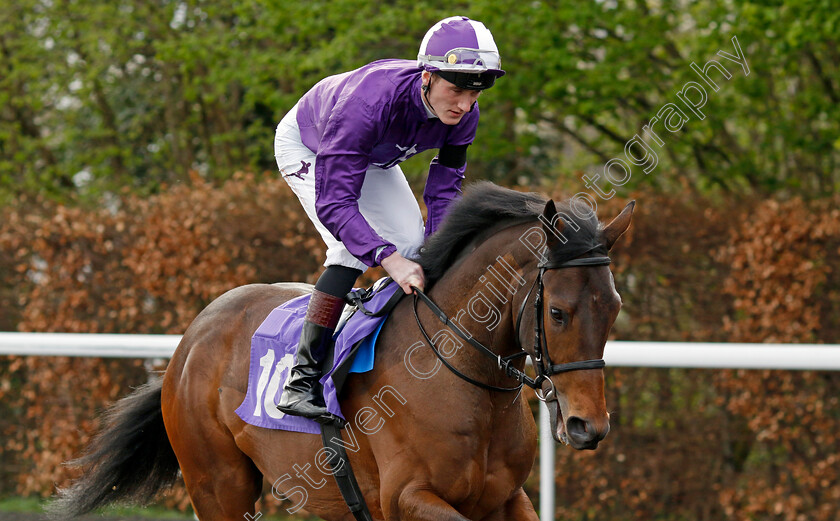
541, 359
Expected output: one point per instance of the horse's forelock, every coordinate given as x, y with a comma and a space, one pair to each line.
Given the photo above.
583, 234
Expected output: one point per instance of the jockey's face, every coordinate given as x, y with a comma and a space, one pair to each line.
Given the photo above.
446, 100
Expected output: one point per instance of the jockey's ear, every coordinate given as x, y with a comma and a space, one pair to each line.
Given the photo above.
619, 225
426, 79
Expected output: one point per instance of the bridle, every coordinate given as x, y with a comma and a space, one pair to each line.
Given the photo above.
543, 366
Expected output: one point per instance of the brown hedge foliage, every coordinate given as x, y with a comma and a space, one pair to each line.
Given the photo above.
685, 444
151, 265
785, 284
781, 259
134, 266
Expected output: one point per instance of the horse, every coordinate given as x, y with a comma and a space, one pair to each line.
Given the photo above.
425, 442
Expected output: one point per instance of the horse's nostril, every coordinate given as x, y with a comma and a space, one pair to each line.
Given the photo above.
578, 429
583, 434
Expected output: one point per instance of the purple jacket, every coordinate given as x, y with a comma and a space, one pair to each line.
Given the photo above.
374, 115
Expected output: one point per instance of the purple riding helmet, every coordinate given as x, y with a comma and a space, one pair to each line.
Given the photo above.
461, 51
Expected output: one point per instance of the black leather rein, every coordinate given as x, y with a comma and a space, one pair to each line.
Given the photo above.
542, 361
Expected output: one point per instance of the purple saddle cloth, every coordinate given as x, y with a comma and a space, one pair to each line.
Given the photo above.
273, 349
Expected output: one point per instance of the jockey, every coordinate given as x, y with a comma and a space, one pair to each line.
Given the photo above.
339, 149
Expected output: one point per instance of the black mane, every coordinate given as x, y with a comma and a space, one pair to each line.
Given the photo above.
486, 207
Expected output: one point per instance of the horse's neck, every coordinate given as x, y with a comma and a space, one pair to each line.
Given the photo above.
484, 288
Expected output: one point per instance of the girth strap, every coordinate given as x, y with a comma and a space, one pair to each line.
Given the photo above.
343, 473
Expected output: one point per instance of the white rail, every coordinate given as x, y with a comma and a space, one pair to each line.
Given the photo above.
817, 357
94, 345
617, 354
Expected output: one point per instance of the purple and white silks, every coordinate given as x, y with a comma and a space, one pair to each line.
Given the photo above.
375, 115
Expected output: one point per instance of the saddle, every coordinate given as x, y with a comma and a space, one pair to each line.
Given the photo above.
356, 301
275, 342
273, 348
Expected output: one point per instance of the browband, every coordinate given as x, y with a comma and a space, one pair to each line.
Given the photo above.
588, 261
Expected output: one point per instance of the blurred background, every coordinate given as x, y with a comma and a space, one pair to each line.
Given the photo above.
137, 183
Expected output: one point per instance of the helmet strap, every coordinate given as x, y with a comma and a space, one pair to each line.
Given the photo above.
426, 88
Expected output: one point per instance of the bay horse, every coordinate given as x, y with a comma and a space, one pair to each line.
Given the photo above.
425, 442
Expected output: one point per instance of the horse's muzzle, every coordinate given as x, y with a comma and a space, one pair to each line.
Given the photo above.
580, 433
584, 434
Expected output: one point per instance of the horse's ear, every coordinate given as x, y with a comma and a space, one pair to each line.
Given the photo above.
619, 225
552, 220
550, 210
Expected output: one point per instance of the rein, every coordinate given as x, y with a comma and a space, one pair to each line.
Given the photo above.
541, 359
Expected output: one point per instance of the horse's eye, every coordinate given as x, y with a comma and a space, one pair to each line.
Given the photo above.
559, 316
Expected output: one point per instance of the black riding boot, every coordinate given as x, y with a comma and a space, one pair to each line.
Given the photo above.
302, 394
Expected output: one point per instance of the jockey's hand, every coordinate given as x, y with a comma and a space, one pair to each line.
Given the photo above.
405, 272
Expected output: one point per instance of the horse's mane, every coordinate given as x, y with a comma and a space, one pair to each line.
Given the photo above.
486, 208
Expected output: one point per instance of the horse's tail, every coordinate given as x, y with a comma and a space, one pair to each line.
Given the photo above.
130, 459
